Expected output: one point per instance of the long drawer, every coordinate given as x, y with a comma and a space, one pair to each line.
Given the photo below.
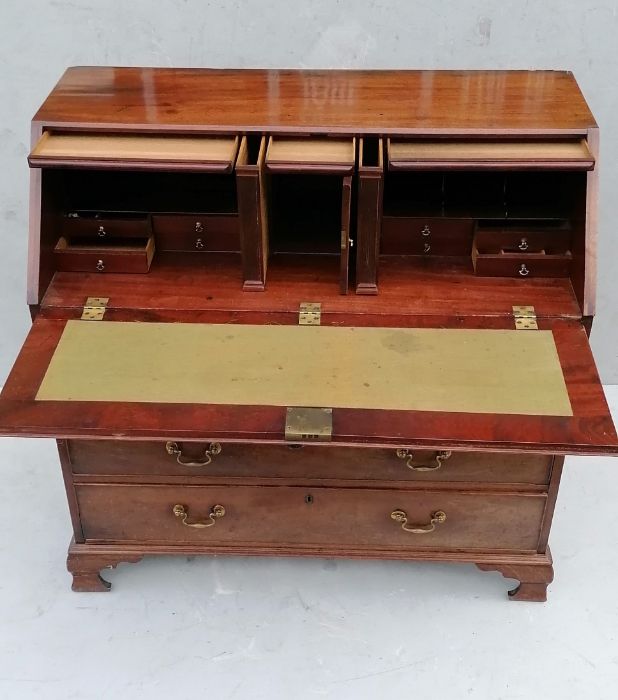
110, 457
299, 516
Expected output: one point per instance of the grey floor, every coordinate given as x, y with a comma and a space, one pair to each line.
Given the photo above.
291, 628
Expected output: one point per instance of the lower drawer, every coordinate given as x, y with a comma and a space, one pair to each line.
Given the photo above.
117, 457
200, 233
296, 516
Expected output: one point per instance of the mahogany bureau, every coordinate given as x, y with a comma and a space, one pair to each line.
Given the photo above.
322, 313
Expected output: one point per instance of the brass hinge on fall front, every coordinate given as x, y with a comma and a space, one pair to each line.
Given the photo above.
309, 424
310, 313
94, 309
525, 318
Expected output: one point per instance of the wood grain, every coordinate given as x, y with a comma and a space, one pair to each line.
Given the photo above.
318, 101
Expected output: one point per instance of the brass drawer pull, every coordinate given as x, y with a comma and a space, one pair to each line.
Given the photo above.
523, 245
199, 227
400, 516
426, 231
440, 457
199, 244
182, 512
102, 232
524, 271
100, 266
172, 448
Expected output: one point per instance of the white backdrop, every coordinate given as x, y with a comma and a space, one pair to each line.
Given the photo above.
40, 38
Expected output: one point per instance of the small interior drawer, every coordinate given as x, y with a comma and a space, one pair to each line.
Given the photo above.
419, 154
135, 151
520, 251
425, 236
311, 154
519, 237
86, 255
104, 226
197, 232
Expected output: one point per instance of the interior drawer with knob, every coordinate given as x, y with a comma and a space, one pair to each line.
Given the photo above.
303, 462
281, 515
425, 236
103, 226
517, 250
200, 233
99, 255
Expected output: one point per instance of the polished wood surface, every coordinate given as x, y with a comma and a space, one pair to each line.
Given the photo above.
408, 288
319, 101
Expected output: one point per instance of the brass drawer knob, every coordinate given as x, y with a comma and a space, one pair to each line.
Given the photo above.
426, 231
400, 516
199, 244
172, 448
440, 457
182, 512
426, 248
199, 227
523, 270
523, 245
102, 232
100, 266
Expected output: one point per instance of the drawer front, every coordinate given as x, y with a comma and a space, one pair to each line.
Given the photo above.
103, 258
522, 266
101, 227
416, 236
197, 233
113, 457
522, 241
273, 515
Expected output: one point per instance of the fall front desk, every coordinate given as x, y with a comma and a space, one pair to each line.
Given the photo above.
330, 313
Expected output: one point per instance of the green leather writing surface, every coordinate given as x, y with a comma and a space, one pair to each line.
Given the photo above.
452, 370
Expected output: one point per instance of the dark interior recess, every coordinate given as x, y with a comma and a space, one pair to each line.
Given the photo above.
305, 214
482, 195
149, 192
253, 148
371, 152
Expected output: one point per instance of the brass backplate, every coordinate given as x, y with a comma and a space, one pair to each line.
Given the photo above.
310, 313
309, 424
94, 309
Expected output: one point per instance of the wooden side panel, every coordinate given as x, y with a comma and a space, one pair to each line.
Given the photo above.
369, 218
253, 215
346, 202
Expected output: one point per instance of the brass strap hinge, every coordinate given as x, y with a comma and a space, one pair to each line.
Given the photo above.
94, 309
310, 313
309, 424
525, 318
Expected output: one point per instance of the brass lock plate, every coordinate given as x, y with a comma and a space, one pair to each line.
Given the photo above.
309, 424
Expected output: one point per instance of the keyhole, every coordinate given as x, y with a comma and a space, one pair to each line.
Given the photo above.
309, 498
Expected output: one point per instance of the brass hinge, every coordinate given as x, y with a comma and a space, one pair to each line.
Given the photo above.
309, 424
525, 318
95, 308
310, 313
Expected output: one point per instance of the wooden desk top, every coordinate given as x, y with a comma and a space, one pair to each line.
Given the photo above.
335, 101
